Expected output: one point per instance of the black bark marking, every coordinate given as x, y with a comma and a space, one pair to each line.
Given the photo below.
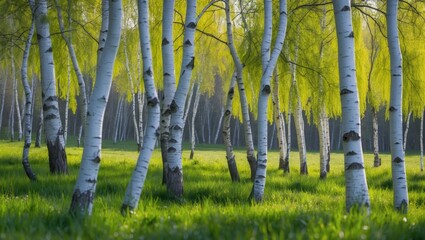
57, 156
345, 8
167, 74
392, 109
42, 94
149, 72
46, 107
165, 41
49, 50
396, 75
39, 37
188, 43
351, 35
345, 91
227, 113
283, 12
100, 49
397, 160
351, 135
91, 180
96, 159
266, 89
80, 202
153, 102
174, 107
355, 166
50, 117
177, 127
171, 150
351, 153
52, 98
167, 112
173, 140
191, 64
231, 91
191, 25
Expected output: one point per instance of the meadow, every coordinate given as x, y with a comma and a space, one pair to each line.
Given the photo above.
295, 207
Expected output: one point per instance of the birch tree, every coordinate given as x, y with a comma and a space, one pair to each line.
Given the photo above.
52, 122
270, 64
85, 187
28, 101
356, 190
134, 188
401, 200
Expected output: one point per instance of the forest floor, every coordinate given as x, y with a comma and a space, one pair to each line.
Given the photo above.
294, 207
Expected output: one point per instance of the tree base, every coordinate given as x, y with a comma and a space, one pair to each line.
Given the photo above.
377, 161
233, 169
164, 155
253, 166
81, 203
175, 182
57, 157
304, 169
323, 175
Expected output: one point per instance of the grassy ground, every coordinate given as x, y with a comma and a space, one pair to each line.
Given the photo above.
295, 207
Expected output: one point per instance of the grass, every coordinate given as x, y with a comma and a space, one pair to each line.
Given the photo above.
295, 207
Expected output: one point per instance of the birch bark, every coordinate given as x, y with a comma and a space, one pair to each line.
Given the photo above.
260, 176
85, 187
280, 125
28, 102
175, 168
249, 143
401, 200
135, 187
406, 131
52, 121
231, 163
194, 111
376, 159
16, 96
356, 189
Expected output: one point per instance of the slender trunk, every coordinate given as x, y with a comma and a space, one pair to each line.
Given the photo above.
134, 188
280, 125
249, 143
231, 162
12, 113
28, 102
188, 103
289, 140
16, 96
194, 111
141, 103
356, 189
421, 138
2, 101
406, 131
39, 129
401, 199
376, 159
323, 145
117, 119
169, 81
219, 125
52, 121
260, 175
65, 128
328, 145
174, 161
85, 187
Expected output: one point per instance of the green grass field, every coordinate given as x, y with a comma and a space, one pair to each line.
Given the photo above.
295, 207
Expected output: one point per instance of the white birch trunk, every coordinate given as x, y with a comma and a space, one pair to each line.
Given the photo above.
85, 187
2, 101
28, 102
260, 176
135, 187
188, 103
280, 125
16, 96
12, 113
401, 200
175, 168
322, 142
194, 111
406, 131
328, 145
356, 189
230, 156
52, 121
78, 73
169, 79
39, 129
141, 103
219, 126
376, 159
249, 143
421, 139
118, 119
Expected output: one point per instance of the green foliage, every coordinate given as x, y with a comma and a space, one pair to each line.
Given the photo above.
295, 207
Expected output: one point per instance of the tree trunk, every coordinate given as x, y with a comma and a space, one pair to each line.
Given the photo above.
406, 131
249, 143
39, 129
376, 159
134, 188
80, 78
194, 111
323, 143
421, 138
231, 162
280, 125
356, 189
401, 199
260, 175
141, 103
169, 81
28, 102
12, 113
85, 187
175, 167
52, 121
219, 126
16, 96
188, 103
117, 119
2, 102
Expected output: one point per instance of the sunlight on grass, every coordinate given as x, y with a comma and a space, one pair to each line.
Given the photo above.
294, 207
